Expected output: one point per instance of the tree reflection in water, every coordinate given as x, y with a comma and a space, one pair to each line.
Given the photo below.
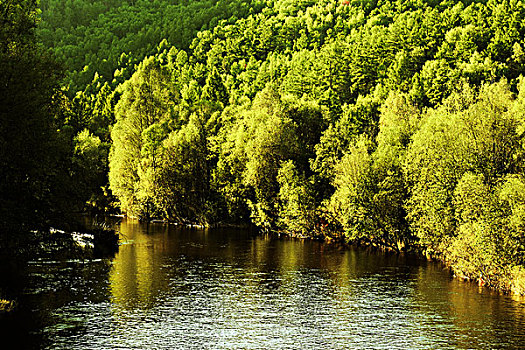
232, 289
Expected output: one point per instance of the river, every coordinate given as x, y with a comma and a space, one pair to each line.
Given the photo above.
172, 288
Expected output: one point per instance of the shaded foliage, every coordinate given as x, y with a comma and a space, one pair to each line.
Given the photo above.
33, 155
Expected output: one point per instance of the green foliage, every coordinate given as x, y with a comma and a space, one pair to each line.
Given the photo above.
181, 191
271, 139
33, 154
465, 169
356, 119
90, 36
489, 243
350, 203
434, 164
297, 206
146, 100
214, 89
370, 188
388, 123
473, 251
90, 171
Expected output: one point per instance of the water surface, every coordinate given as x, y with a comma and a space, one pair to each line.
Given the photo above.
169, 288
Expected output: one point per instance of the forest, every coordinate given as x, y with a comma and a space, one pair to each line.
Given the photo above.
396, 124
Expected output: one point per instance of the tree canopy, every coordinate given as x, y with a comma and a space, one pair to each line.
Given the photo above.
392, 123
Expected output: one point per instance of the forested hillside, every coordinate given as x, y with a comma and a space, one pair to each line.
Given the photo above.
100, 36
392, 123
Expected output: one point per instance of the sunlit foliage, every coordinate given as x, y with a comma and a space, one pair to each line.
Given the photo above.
395, 124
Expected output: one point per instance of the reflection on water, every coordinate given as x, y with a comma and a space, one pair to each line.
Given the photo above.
229, 289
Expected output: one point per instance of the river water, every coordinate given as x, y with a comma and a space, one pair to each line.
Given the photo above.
169, 288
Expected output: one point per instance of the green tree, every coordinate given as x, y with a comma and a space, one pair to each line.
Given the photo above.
297, 206
183, 190
350, 203
146, 100
33, 155
214, 89
90, 168
471, 132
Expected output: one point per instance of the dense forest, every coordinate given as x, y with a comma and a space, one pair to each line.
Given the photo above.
396, 124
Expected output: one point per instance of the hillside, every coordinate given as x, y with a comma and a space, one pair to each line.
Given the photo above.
392, 123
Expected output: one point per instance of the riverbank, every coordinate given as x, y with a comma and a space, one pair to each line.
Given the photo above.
81, 243
506, 281
251, 291
511, 281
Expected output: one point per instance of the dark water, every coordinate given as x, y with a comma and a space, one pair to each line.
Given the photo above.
229, 289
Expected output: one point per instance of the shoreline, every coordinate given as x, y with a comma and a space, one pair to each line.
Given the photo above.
339, 239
